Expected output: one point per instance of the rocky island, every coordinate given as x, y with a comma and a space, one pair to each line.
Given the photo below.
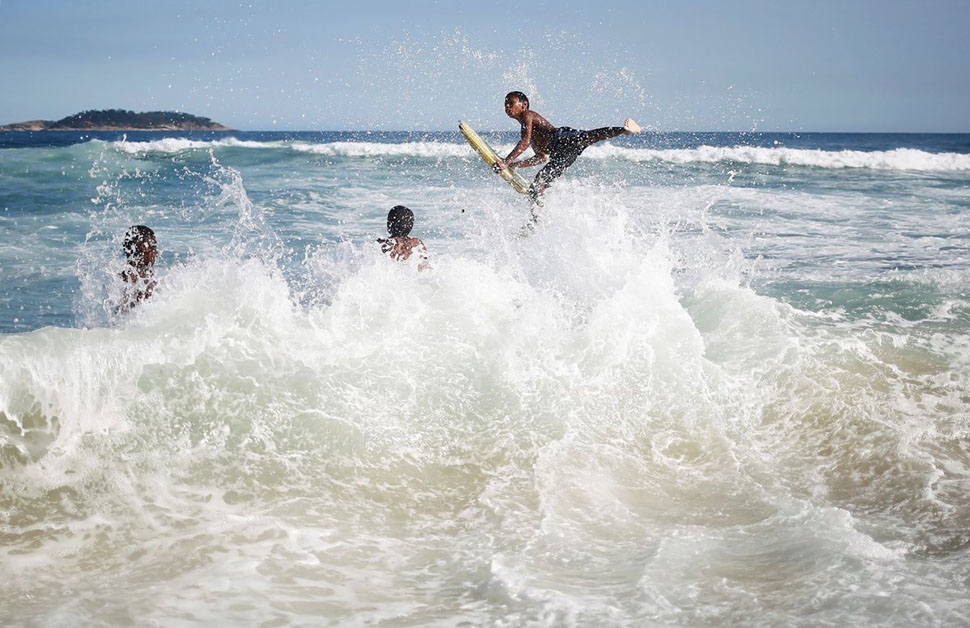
121, 120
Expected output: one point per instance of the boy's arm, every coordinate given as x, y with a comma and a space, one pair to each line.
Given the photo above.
422, 252
531, 161
521, 146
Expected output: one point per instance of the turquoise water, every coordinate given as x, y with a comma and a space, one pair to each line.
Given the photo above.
724, 382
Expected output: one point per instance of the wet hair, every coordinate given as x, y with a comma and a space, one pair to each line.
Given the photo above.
519, 96
400, 220
135, 235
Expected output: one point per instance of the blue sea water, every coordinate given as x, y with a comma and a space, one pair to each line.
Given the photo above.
724, 381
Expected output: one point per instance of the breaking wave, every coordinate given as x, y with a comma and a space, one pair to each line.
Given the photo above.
907, 159
898, 159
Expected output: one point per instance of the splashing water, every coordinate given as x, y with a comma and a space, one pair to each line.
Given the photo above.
718, 385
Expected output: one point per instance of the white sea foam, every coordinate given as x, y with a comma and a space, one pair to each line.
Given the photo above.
502, 416
177, 145
379, 149
898, 159
337, 149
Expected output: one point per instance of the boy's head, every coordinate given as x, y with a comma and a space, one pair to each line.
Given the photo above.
400, 220
515, 103
140, 245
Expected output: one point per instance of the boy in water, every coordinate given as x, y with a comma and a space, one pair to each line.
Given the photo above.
400, 246
141, 249
559, 145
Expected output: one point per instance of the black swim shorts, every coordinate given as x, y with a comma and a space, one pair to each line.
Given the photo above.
567, 144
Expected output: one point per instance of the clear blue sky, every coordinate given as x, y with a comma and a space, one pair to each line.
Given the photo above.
819, 65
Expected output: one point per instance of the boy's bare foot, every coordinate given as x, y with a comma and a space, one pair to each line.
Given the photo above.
631, 127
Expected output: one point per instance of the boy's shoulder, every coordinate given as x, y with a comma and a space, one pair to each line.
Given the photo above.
537, 120
401, 245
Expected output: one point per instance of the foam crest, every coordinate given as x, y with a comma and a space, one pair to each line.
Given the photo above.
177, 145
81, 381
898, 159
335, 149
378, 149
58, 385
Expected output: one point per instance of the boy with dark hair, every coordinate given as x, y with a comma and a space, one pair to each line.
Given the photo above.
558, 145
141, 249
400, 246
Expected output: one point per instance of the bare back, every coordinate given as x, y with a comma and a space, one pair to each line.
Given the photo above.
402, 247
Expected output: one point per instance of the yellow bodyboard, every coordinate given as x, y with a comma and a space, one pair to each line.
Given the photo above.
514, 178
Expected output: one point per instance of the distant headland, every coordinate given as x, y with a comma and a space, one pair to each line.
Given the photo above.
121, 120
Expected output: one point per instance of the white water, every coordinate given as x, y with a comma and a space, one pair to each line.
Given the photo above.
613, 421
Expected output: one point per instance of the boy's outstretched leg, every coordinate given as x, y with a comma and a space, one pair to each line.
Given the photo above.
607, 132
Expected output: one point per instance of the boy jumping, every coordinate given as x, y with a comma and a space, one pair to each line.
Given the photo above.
559, 145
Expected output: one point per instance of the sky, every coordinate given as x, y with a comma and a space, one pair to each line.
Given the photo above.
421, 65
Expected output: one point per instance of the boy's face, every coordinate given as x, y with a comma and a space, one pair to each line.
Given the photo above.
514, 106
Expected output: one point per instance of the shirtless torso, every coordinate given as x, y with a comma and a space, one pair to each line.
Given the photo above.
537, 132
402, 247
140, 283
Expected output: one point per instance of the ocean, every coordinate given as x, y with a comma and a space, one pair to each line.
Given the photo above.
725, 381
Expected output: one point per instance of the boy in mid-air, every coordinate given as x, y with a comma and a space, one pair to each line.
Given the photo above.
141, 249
400, 246
559, 145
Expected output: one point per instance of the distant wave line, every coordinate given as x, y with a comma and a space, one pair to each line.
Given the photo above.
896, 159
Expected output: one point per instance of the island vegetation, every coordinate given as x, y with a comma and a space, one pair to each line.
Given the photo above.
121, 120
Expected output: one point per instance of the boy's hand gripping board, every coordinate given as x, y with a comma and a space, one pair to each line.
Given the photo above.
514, 178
